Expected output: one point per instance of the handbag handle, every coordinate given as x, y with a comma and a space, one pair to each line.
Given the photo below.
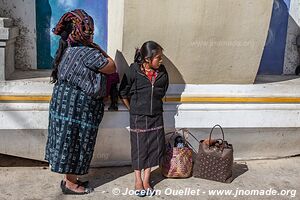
217, 125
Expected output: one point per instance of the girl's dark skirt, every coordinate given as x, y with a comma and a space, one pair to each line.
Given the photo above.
147, 139
74, 118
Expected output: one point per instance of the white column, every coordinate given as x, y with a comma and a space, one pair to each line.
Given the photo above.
8, 35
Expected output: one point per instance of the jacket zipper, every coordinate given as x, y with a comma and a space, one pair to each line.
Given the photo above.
152, 87
152, 83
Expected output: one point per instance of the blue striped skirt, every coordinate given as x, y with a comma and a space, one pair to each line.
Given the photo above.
74, 118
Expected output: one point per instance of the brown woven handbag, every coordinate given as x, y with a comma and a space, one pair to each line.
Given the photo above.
214, 159
177, 162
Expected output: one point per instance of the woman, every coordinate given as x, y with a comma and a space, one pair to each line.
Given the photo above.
76, 107
142, 88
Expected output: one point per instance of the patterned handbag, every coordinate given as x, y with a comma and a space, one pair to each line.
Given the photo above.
177, 162
214, 159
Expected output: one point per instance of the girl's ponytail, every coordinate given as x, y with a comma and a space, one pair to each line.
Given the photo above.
138, 56
148, 50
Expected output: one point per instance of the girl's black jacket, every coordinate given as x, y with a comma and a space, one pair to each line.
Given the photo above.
145, 97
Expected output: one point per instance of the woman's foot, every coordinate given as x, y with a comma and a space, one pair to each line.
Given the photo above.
138, 186
149, 189
74, 186
69, 187
139, 189
147, 186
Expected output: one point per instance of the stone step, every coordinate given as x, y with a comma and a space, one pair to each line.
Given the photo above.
8, 33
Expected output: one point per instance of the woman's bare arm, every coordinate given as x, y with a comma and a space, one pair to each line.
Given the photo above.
109, 68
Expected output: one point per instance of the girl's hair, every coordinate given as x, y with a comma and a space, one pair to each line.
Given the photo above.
148, 50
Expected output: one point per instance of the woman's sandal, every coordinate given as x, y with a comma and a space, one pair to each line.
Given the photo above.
82, 183
66, 190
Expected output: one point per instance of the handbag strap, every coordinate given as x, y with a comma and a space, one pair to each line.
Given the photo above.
217, 125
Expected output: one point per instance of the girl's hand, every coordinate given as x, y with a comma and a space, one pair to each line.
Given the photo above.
126, 103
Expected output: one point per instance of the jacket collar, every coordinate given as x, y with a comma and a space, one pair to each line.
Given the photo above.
161, 70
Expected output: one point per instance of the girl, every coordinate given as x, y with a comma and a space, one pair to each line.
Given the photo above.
76, 107
141, 90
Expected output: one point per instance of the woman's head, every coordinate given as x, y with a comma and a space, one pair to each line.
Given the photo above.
77, 27
149, 53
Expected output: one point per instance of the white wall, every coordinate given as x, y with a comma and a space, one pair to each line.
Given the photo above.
115, 26
207, 41
23, 14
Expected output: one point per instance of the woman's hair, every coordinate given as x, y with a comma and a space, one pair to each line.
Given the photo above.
75, 28
63, 44
148, 50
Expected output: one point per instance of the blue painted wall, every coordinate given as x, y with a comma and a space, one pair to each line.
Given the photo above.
48, 14
272, 61
43, 19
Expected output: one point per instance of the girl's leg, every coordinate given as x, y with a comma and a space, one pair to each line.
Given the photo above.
146, 179
71, 180
138, 180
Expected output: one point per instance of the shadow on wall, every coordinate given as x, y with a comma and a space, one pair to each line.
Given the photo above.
121, 63
176, 88
43, 20
174, 75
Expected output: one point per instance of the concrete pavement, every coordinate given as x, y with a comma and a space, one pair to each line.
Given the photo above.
25, 181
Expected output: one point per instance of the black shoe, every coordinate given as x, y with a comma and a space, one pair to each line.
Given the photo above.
82, 183
66, 190
113, 108
140, 193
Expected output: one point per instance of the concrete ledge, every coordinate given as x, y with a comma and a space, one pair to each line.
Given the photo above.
254, 143
35, 116
5, 22
25, 125
113, 144
9, 33
238, 115
256, 130
39, 84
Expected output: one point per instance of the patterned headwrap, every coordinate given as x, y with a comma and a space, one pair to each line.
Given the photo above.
77, 27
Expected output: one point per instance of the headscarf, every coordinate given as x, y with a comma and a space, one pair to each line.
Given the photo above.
77, 28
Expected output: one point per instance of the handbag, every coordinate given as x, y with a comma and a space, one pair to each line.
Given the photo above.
177, 161
214, 159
